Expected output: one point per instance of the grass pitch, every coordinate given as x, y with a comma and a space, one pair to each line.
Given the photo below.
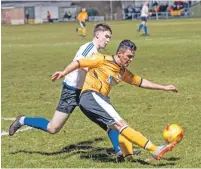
171, 55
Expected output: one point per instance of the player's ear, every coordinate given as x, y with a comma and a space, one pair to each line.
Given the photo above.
97, 35
119, 53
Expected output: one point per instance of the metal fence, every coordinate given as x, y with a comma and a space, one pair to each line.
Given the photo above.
159, 15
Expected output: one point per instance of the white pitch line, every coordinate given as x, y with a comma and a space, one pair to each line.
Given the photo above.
42, 44
4, 133
78, 43
11, 119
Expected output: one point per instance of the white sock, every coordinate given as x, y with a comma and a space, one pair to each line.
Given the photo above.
22, 120
119, 153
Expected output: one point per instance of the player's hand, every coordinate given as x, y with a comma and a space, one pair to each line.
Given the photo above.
57, 75
171, 88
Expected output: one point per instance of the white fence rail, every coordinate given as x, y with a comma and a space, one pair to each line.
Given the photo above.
155, 15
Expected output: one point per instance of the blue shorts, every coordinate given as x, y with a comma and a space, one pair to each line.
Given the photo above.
69, 99
144, 18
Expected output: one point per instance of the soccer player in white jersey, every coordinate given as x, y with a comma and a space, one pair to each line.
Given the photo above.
144, 15
70, 93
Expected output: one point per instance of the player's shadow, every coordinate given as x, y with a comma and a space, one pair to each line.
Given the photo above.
86, 150
172, 158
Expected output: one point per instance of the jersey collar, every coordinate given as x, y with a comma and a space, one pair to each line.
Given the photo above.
115, 61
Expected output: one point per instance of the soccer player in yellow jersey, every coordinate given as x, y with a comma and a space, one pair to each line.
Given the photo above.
70, 93
82, 18
103, 73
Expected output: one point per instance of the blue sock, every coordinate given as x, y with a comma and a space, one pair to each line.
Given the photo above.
36, 122
145, 30
140, 27
114, 138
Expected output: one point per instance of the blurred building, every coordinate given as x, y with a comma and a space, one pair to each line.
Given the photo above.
15, 11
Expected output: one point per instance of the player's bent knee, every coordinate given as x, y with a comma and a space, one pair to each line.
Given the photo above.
53, 129
120, 125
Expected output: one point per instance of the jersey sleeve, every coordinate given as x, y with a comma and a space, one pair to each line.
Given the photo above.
91, 61
131, 78
81, 53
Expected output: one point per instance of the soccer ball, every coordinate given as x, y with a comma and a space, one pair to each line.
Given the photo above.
173, 132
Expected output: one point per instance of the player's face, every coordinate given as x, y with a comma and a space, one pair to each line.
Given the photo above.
104, 38
146, 3
126, 57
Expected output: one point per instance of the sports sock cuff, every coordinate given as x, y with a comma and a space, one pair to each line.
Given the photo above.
124, 127
22, 120
147, 144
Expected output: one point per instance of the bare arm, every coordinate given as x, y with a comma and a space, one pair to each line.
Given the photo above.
150, 85
71, 67
90, 62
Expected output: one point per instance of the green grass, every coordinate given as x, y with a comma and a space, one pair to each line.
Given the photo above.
171, 55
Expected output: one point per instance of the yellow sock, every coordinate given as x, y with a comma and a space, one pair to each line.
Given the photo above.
125, 145
151, 147
84, 31
79, 29
137, 138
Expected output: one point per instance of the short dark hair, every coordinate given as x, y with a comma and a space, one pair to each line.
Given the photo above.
102, 27
126, 44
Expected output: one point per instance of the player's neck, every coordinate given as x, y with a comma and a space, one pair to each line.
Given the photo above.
117, 60
96, 44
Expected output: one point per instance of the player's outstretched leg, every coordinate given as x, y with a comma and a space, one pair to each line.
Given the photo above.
52, 127
83, 32
146, 30
15, 125
137, 138
21, 120
162, 150
140, 27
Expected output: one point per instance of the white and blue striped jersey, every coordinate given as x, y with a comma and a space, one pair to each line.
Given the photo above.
144, 11
76, 78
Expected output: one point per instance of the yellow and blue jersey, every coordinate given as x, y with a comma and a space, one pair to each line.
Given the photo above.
82, 16
103, 73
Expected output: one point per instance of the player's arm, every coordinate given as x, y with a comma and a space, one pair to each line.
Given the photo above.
90, 62
71, 67
147, 11
150, 85
130, 78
